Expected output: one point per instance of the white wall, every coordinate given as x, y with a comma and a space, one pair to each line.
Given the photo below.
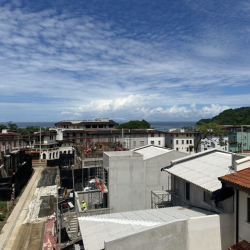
213, 143
214, 232
131, 179
244, 226
196, 197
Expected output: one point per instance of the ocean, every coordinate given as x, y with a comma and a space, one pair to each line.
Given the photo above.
163, 126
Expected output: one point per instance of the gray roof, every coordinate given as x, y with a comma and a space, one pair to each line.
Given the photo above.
151, 151
203, 169
97, 229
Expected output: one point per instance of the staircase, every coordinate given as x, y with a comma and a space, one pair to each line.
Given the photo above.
72, 228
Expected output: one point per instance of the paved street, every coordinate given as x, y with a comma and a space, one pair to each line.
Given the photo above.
11, 238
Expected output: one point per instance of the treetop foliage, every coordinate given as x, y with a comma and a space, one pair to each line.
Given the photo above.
135, 125
23, 131
239, 116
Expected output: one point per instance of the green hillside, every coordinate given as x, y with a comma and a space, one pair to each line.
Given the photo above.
239, 116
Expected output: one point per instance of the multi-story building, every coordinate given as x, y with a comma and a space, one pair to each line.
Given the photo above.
180, 140
49, 146
239, 138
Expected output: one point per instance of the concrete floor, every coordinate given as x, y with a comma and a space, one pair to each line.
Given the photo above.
18, 236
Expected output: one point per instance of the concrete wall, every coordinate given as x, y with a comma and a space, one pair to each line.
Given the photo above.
196, 197
131, 179
171, 236
214, 232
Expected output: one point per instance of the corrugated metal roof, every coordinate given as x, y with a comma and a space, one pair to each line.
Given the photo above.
97, 229
151, 151
203, 170
242, 245
240, 178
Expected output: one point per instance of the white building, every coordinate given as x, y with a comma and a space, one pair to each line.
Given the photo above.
194, 179
213, 142
49, 146
132, 175
240, 182
174, 228
180, 140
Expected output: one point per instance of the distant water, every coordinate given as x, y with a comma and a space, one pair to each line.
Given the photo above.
163, 126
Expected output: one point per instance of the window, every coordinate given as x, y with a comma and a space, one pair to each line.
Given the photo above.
182, 142
152, 142
207, 198
177, 135
159, 142
248, 209
134, 143
187, 149
177, 149
171, 142
190, 149
190, 141
187, 195
187, 135
152, 135
187, 141
176, 141
141, 143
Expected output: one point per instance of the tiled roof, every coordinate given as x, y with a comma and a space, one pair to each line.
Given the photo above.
240, 178
242, 245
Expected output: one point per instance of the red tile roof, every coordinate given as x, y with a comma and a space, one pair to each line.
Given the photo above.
242, 245
238, 179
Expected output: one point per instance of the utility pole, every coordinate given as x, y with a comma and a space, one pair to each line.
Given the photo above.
40, 146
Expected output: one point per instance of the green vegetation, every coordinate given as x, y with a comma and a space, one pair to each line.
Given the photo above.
135, 125
207, 131
22, 131
239, 116
3, 210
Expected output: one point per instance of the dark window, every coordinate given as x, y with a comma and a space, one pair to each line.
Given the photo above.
187, 141
152, 135
94, 126
176, 141
190, 141
182, 142
187, 191
88, 126
207, 198
177, 135
100, 126
111, 125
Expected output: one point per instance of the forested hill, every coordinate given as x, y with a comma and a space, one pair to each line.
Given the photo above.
239, 116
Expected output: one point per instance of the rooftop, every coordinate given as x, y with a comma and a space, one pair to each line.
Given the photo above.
97, 229
151, 151
203, 169
239, 179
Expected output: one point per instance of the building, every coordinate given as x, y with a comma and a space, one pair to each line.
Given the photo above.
133, 175
180, 140
194, 179
49, 146
174, 228
238, 138
240, 182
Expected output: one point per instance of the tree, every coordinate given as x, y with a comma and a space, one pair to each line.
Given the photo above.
2, 127
210, 131
135, 125
12, 126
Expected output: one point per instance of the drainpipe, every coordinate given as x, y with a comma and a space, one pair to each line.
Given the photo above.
237, 216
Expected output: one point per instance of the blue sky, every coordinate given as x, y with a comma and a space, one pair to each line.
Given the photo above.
155, 60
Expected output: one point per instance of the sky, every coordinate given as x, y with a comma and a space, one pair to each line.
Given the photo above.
161, 60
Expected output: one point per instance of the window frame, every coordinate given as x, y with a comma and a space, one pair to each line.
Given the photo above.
187, 188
